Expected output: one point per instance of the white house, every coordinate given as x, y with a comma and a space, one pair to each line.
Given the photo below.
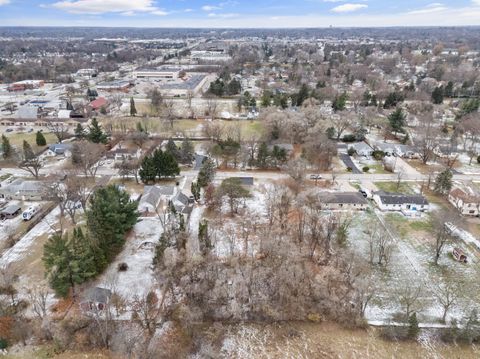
361, 148
23, 190
388, 201
466, 201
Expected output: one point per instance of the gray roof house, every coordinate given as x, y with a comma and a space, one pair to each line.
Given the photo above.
60, 148
182, 203
246, 181
23, 190
96, 299
342, 201
152, 195
361, 148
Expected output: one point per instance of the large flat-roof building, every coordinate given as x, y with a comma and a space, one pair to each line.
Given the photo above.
167, 73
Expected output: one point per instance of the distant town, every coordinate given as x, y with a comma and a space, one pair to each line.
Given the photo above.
222, 193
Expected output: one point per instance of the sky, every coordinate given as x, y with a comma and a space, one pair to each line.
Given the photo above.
239, 13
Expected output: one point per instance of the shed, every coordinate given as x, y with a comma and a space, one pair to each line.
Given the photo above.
10, 211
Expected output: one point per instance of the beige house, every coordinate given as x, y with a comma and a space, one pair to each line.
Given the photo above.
347, 201
465, 200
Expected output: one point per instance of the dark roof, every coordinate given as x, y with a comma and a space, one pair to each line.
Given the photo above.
246, 181
199, 161
342, 197
11, 209
99, 295
400, 198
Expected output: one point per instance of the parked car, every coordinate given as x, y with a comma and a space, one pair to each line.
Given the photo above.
9, 130
315, 177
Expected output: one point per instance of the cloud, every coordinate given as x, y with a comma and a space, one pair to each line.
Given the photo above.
349, 8
435, 7
104, 6
223, 16
4, 2
210, 7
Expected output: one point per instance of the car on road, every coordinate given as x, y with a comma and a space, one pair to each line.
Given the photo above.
315, 177
9, 130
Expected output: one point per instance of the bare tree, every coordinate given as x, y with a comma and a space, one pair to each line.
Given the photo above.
38, 300
409, 297
59, 129
86, 156
442, 234
212, 107
447, 294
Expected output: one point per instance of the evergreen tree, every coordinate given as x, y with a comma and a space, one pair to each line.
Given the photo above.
443, 182
187, 151
279, 155
40, 139
413, 328
95, 133
167, 166
68, 262
133, 109
203, 237
110, 215
448, 92
195, 189
28, 153
148, 171
79, 131
262, 155
233, 189
172, 148
302, 95
437, 95
340, 102
7, 150
206, 173
397, 120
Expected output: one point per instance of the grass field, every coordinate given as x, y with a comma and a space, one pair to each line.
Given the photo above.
16, 139
392, 187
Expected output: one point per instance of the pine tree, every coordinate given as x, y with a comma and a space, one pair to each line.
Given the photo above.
262, 155
6, 147
110, 215
413, 328
56, 259
397, 120
195, 189
40, 139
95, 133
203, 237
206, 173
443, 182
187, 151
79, 131
172, 148
148, 171
133, 109
28, 153
167, 165
437, 95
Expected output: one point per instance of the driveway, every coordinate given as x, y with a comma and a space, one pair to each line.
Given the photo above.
349, 163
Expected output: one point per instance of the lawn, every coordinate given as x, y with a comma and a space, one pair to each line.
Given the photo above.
404, 187
16, 139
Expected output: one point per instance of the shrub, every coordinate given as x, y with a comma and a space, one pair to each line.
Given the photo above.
3, 343
122, 267
351, 151
378, 155
366, 169
478, 159
349, 169
348, 138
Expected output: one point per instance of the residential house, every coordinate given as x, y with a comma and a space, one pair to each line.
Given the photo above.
246, 181
361, 149
342, 201
122, 154
408, 204
96, 300
152, 195
59, 149
182, 203
23, 190
465, 200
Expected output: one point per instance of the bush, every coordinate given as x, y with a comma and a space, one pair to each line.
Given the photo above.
348, 138
378, 155
122, 267
366, 169
351, 151
3, 343
349, 169
478, 159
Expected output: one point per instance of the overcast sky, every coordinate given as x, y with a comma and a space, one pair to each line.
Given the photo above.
239, 13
